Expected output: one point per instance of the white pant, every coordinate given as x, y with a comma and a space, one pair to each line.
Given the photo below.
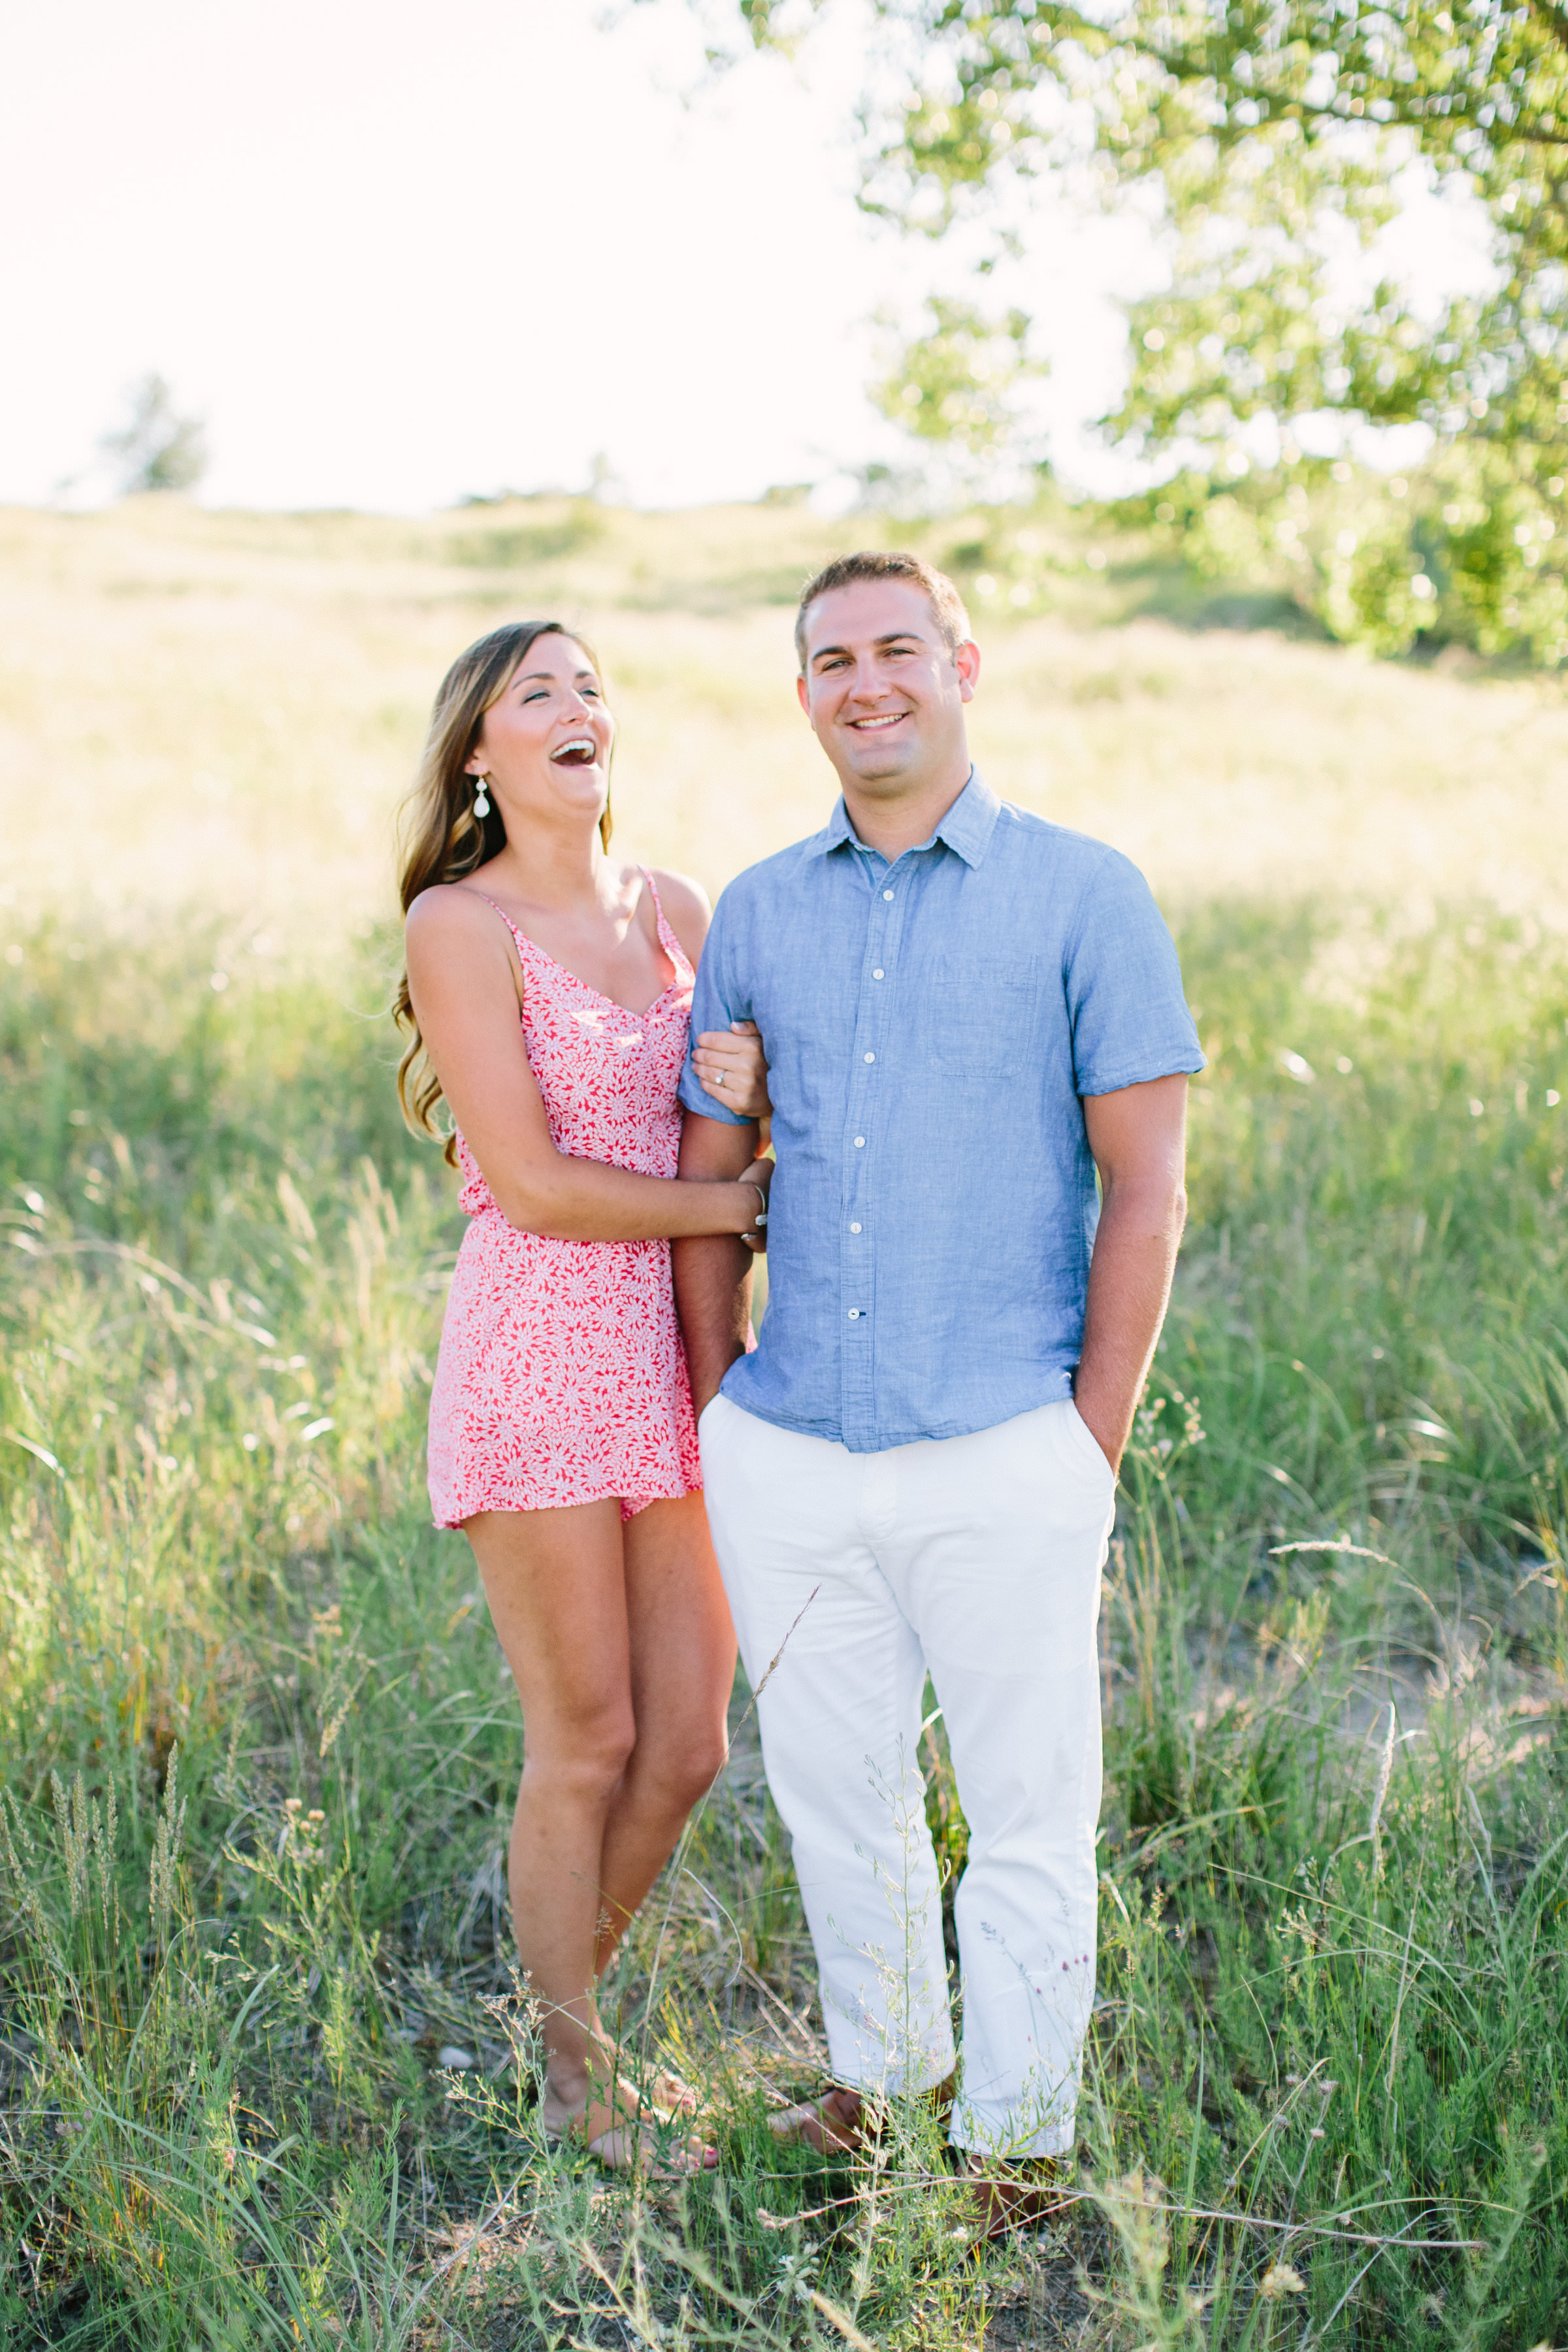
849, 1576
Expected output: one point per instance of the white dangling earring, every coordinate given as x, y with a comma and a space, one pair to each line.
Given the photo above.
481, 799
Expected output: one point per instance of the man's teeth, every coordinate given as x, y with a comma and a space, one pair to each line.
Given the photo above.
891, 721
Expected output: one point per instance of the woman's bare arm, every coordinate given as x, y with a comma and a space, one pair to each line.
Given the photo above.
729, 1063
463, 978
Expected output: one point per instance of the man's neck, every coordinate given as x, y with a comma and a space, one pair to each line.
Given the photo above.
902, 822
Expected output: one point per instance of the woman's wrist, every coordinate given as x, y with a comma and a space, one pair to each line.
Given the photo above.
754, 1206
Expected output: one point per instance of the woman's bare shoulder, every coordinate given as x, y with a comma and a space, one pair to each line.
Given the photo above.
449, 910
452, 921
685, 909
684, 901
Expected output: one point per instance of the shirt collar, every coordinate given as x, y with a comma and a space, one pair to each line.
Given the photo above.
966, 829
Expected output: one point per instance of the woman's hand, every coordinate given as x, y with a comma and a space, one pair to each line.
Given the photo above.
761, 1174
731, 1065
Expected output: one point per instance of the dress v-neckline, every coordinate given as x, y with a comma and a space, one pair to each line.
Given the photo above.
613, 1002
669, 952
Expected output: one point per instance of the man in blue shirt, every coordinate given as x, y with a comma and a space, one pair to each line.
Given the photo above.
968, 1014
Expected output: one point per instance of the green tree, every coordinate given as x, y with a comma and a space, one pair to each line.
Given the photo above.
157, 448
959, 384
1267, 136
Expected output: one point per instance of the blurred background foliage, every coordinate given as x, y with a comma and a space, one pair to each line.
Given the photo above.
1264, 142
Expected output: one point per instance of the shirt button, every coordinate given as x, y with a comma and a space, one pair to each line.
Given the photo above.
887, 894
859, 1143
854, 1314
854, 1229
876, 975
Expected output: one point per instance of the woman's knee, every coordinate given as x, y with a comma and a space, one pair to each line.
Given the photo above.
683, 1770
587, 1756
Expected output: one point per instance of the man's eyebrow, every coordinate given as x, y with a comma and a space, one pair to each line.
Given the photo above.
893, 637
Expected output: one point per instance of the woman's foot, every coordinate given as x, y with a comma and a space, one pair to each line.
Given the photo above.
622, 2132
671, 2095
660, 2089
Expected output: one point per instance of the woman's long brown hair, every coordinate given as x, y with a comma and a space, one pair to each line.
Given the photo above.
444, 839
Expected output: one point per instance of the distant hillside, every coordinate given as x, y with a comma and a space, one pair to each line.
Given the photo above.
217, 713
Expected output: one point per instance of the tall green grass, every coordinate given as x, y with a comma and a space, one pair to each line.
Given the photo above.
268, 2073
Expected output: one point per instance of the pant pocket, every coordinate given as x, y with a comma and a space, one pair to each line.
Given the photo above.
1082, 1447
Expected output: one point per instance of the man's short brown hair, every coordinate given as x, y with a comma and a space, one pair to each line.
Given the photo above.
946, 603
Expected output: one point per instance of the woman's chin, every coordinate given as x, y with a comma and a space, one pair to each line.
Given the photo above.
583, 790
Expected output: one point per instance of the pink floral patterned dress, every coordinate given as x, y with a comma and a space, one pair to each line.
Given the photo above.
562, 1378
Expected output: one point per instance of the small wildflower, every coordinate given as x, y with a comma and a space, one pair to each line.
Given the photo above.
1280, 2279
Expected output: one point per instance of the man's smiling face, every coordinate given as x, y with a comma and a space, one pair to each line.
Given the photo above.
882, 688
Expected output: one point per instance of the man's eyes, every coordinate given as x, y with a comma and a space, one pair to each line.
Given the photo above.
839, 661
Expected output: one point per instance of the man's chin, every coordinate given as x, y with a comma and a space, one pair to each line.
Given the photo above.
883, 766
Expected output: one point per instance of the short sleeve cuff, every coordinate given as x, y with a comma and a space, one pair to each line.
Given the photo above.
695, 1096
1185, 1062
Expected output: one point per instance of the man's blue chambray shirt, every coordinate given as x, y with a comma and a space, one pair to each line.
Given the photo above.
929, 1027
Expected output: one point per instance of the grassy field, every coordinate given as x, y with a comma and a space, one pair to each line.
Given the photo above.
266, 2075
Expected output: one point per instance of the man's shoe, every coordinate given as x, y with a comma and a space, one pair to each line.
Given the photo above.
834, 2125
1017, 2194
842, 2122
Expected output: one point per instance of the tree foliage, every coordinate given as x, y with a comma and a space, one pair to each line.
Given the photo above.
1267, 133
959, 383
157, 448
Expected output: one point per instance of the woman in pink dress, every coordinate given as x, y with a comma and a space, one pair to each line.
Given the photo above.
547, 994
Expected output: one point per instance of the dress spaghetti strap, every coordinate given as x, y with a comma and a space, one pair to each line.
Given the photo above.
517, 937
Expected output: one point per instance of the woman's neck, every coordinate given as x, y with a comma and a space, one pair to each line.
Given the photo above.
555, 866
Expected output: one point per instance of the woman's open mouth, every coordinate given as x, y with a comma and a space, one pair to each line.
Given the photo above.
581, 752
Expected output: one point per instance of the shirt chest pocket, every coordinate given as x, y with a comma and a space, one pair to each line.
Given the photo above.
975, 1016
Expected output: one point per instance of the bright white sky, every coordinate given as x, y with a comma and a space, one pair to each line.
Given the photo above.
395, 253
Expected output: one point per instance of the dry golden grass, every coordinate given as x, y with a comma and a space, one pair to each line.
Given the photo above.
221, 710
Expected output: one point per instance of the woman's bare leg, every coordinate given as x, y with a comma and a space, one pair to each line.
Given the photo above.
621, 1650
682, 1655
556, 1586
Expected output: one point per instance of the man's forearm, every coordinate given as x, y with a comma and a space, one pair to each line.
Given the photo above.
1129, 1288
712, 1274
